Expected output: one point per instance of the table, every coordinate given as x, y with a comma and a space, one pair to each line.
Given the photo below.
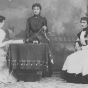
28, 56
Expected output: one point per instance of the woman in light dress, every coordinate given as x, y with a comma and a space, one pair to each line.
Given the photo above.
75, 67
5, 76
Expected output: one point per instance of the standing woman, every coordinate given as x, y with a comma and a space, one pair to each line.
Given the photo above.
5, 77
76, 65
36, 29
36, 25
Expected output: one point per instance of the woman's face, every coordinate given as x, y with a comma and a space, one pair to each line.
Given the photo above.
84, 24
36, 10
1, 24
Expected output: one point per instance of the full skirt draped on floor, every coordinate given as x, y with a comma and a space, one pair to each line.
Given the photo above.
5, 76
76, 65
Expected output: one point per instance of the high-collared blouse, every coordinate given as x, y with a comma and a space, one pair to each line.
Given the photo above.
82, 35
34, 24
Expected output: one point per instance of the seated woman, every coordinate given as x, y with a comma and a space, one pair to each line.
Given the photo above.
5, 76
75, 67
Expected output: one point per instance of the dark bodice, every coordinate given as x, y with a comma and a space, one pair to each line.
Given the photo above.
35, 23
85, 35
33, 27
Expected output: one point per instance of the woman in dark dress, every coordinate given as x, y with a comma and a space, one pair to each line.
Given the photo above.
36, 29
75, 67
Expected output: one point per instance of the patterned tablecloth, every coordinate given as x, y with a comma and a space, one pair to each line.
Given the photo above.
28, 56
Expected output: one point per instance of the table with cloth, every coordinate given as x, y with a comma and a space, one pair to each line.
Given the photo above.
29, 57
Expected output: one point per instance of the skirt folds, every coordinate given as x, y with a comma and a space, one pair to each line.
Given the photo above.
76, 67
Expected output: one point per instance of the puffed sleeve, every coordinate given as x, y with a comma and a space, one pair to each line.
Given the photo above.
87, 32
2, 35
45, 23
27, 31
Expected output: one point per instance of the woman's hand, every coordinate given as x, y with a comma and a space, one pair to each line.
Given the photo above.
44, 27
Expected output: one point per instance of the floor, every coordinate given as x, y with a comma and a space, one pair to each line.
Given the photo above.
49, 82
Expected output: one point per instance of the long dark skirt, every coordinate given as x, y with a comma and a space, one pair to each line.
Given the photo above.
75, 78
